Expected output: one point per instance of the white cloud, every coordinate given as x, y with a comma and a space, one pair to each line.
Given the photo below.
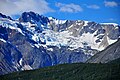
93, 6
13, 7
110, 4
111, 19
69, 7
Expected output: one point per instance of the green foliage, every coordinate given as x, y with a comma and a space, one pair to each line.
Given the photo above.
75, 71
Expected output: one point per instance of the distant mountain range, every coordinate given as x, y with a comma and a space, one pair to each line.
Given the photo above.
34, 41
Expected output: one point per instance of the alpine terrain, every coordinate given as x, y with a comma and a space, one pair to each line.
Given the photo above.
112, 52
34, 41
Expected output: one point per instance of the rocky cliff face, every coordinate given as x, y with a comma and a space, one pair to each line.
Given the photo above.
35, 41
20, 53
112, 52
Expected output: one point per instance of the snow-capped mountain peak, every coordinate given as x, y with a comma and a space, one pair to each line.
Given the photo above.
35, 41
74, 34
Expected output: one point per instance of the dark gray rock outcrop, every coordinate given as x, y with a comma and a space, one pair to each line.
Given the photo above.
112, 52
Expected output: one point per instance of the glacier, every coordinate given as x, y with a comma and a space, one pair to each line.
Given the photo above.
34, 41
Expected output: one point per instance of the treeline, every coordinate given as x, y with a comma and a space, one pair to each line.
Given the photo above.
76, 71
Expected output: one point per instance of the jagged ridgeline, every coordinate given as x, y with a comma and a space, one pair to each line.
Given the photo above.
34, 41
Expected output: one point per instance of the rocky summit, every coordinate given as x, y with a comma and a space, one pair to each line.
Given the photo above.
34, 41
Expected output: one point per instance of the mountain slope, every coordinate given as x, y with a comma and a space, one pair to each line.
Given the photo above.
34, 41
115, 61
112, 52
76, 71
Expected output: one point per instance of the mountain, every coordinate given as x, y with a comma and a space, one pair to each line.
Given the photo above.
112, 52
4, 16
34, 41
74, 71
116, 61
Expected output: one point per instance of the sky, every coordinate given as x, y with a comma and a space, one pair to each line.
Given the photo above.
100, 11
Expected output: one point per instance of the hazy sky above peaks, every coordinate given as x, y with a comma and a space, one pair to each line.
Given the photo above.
92, 10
